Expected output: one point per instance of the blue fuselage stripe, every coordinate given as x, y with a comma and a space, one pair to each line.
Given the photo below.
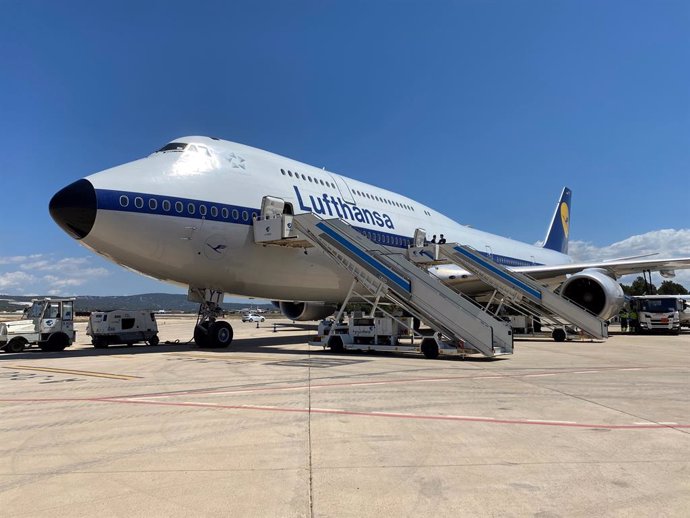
403, 283
155, 204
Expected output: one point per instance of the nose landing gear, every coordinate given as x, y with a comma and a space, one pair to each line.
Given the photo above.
209, 332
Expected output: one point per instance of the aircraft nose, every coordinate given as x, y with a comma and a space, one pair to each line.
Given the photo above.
74, 208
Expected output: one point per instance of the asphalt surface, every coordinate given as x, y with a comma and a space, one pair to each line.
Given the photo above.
273, 427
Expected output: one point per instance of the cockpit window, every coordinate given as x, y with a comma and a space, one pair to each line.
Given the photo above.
173, 146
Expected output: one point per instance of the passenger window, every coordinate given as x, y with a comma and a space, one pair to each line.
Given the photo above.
245, 215
166, 205
153, 204
202, 210
124, 201
191, 208
235, 214
309, 178
322, 182
225, 212
179, 207
214, 211
283, 171
289, 173
138, 202
304, 177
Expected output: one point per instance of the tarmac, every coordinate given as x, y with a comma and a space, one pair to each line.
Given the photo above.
274, 427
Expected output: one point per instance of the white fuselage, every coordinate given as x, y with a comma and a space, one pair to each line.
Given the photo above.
185, 217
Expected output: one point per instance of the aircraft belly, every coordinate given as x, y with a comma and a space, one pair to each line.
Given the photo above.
216, 255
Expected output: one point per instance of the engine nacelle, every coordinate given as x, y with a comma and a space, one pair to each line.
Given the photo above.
595, 290
307, 310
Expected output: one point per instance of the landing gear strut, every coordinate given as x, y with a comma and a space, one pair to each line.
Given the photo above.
209, 332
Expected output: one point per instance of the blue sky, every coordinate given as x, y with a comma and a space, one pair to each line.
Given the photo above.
482, 109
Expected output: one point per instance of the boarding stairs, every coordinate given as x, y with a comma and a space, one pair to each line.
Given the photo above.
516, 290
387, 272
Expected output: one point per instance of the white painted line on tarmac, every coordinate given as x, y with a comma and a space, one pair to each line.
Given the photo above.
537, 375
667, 422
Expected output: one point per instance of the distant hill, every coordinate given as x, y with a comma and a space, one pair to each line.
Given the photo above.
153, 301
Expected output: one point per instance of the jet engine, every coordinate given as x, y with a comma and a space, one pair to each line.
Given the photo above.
596, 291
307, 310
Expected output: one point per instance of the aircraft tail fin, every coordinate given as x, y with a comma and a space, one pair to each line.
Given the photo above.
557, 235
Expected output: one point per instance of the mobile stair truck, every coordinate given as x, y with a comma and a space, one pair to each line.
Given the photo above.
393, 281
48, 323
122, 327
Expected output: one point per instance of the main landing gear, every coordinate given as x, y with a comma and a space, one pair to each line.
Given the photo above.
209, 332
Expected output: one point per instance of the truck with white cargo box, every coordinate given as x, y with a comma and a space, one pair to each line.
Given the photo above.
122, 327
48, 323
658, 313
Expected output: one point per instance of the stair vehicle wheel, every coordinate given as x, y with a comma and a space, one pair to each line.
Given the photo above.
559, 335
219, 335
55, 343
336, 344
16, 345
430, 348
201, 334
154, 340
99, 342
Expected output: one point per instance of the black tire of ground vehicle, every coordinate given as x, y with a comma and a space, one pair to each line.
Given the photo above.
16, 345
429, 348
335, 343
559, 335
154, 340
57, 342
99, 342
219, 335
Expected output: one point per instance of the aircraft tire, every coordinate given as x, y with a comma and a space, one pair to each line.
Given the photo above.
201, 335
16, 345
219, 335
429, 348
559, 335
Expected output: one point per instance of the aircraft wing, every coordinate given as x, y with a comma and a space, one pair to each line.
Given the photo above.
616, 268
554, 275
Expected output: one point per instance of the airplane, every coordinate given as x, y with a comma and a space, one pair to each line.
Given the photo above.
184, 215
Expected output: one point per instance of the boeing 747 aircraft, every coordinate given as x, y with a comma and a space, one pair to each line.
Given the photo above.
184, 215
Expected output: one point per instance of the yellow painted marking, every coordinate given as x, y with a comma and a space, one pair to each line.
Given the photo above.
74, 372
227, 357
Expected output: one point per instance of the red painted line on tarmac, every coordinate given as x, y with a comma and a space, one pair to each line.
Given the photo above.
354, 384
651, 426
189, 404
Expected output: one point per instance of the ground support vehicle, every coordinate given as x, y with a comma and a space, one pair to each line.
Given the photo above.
657, 313
122, 327
48, 323
360, 332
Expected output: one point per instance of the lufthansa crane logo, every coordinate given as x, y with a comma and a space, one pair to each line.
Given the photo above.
565, 218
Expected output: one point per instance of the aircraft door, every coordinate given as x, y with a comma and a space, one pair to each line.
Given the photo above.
271, 207
344, 189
